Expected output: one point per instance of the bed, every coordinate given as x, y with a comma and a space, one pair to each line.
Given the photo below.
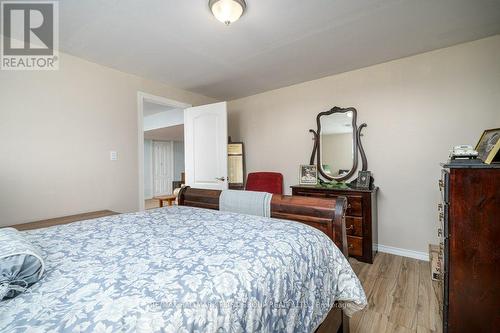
184, 269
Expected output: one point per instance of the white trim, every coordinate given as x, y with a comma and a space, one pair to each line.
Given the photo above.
151, 184
162, 100
141, 97
172, 164
402, 252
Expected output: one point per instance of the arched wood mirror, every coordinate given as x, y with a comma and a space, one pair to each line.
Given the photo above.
337, 142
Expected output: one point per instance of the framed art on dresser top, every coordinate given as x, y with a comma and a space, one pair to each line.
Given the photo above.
489, 145
364, 179
308, 175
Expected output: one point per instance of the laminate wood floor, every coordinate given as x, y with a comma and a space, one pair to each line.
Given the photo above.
63, 220
401, 296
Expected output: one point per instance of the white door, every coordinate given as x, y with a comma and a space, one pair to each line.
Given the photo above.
205, 144
163, 167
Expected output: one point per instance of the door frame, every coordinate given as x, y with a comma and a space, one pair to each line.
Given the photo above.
141, 98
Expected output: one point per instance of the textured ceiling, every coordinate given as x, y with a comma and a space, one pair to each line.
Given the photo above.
276, 43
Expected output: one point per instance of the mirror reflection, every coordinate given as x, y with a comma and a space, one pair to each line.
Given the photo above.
337, 143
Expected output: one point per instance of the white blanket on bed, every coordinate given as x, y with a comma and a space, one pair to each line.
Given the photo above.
246, 202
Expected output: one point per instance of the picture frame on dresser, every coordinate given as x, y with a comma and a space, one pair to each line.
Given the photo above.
489, 145
364, 179
308, 175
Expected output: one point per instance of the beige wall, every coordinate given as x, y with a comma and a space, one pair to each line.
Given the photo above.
56, 131
416, 109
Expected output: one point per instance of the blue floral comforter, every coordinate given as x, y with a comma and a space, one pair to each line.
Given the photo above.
181, 269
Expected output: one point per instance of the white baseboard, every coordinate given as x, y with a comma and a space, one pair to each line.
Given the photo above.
403, 252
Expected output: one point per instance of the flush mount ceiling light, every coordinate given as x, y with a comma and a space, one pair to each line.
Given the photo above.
227, 11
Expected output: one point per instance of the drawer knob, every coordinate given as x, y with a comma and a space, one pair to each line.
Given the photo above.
351, 246
349, 206
351, 227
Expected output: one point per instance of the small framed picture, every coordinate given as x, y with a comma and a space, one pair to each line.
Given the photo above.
488, 145
364, 179
308, 175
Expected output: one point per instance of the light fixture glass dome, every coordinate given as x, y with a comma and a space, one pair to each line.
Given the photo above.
227, 11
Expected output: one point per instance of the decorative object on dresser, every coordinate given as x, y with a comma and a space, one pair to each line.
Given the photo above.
364, 180
489, 145
470, 232
337, 144
236, 165
463, 152
337, 141
361, 217
308, 175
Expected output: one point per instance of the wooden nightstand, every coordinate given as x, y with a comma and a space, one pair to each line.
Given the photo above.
168, 198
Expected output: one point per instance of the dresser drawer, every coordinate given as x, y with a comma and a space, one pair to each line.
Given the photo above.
355, 245
354, 226
354, 206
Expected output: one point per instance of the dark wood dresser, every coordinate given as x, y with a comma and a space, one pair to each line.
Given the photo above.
470, 229
361, 217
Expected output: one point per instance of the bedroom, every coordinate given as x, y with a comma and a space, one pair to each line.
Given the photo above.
423, 75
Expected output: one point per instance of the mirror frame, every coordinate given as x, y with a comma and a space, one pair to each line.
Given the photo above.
356, 144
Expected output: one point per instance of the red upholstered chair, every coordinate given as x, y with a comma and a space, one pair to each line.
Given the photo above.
271, 182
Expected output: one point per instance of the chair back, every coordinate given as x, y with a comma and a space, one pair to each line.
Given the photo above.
271, 182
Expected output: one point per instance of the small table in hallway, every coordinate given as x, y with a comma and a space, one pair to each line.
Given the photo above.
168, 198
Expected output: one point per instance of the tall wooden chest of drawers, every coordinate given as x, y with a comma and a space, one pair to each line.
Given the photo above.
361, 217
470, 231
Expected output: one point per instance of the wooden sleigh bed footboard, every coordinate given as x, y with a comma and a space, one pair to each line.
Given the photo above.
327, 215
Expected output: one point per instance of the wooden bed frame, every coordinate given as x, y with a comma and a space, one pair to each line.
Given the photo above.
327, 215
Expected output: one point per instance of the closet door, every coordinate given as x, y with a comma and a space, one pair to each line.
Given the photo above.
163, 167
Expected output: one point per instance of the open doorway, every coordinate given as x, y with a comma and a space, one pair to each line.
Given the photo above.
161, 147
